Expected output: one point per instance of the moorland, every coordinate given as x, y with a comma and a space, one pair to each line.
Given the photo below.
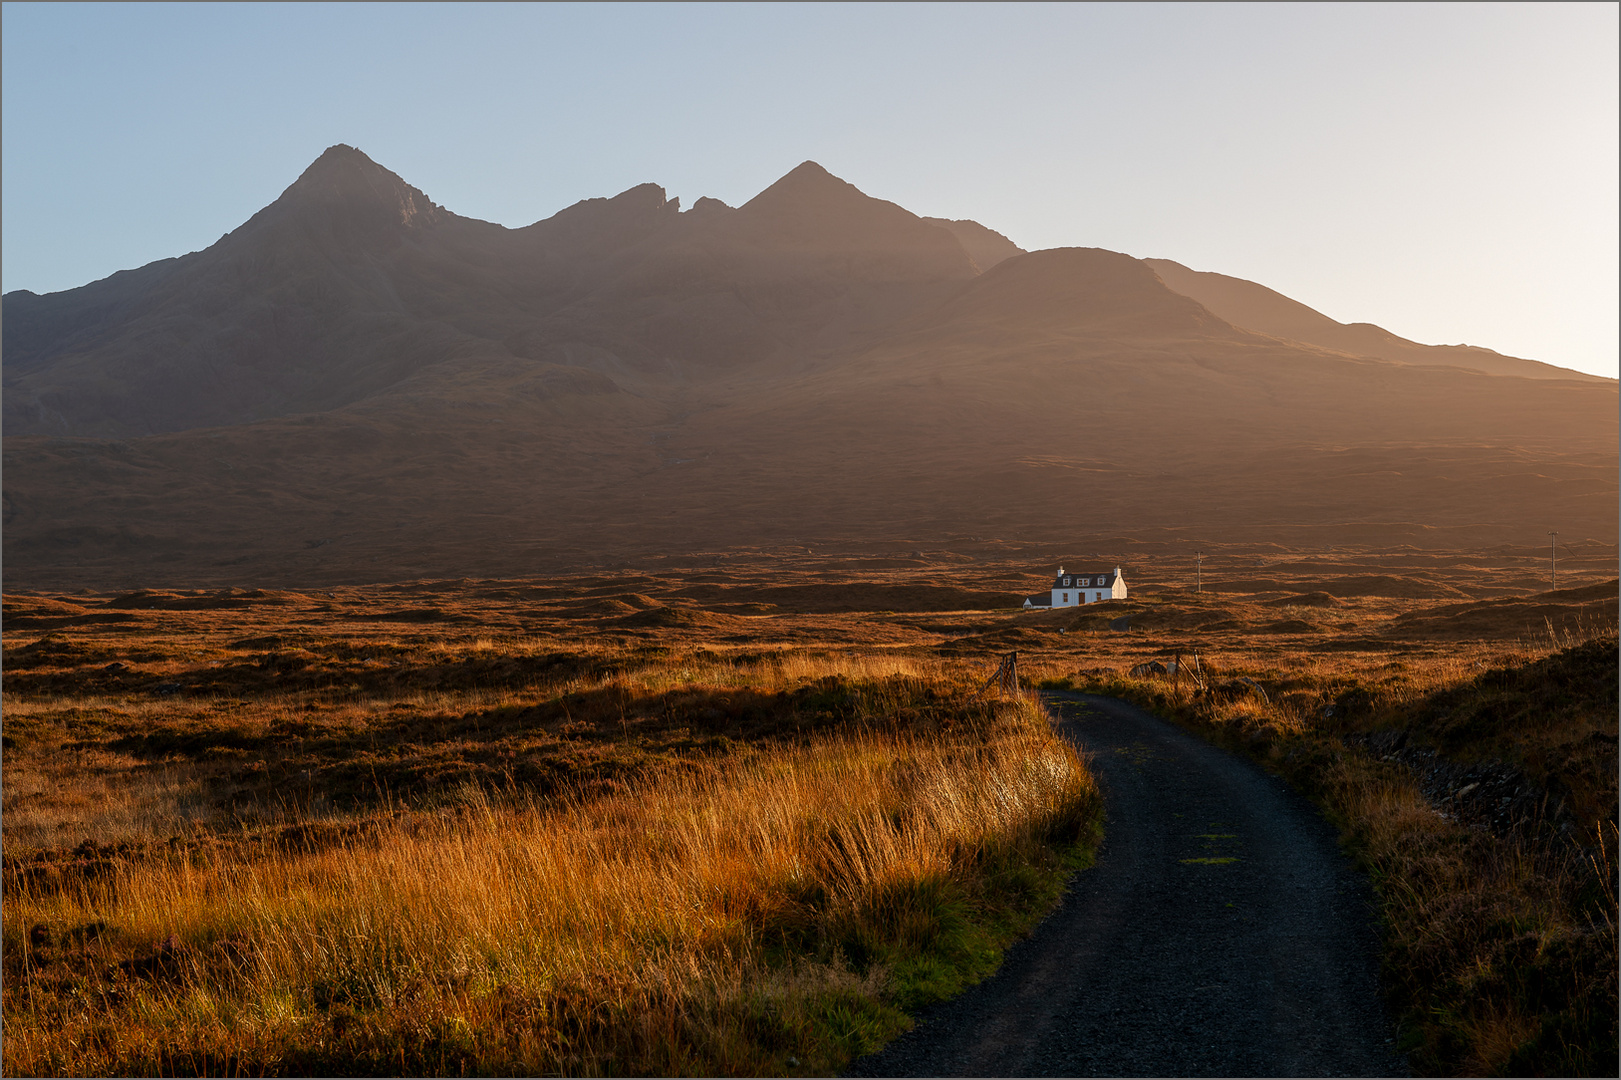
435, 647
746, 817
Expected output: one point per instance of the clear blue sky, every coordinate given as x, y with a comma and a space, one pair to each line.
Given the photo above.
1447, 171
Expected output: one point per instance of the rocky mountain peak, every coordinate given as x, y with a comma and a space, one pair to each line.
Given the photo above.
344, 177
811, 209
807, 187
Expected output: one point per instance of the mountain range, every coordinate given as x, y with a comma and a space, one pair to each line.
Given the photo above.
358, 384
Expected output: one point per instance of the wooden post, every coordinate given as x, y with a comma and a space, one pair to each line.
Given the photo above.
1005, 678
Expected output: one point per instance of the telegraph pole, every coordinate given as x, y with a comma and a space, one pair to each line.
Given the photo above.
1553, 561
1198, 571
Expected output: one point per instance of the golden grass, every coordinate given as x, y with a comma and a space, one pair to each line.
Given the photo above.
101, 794
1502, 952
1499, 944
317, 740
720, 920
67, 779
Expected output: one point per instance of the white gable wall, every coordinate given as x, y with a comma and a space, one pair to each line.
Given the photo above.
1075, 593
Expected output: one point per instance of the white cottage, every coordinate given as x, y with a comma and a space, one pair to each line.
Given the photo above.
1072, 590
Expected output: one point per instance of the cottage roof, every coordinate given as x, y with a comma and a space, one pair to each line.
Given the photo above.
1086, 579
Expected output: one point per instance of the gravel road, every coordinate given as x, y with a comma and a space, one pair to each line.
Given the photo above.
1221, 933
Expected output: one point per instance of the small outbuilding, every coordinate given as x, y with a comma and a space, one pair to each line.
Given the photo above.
1073, 590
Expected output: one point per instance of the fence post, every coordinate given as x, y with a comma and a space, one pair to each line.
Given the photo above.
1005, 678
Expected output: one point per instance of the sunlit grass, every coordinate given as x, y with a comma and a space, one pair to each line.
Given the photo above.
528, 841
720, 916
1499, 948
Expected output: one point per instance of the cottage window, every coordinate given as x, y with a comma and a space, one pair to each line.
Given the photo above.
1066, 598
1066, 581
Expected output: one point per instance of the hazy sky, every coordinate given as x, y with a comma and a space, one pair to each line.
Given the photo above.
1446, 171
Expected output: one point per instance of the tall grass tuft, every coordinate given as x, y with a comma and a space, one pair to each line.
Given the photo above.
765, 913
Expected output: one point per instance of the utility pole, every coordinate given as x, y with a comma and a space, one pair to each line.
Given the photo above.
1198, 571
1553, 561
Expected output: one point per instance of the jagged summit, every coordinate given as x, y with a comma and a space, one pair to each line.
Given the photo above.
809, 175
345, 177
339, 156
643, 198
808, 187
811, 209
605, 224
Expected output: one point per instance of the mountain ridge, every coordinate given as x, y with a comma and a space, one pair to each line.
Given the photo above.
247, 314
358, 384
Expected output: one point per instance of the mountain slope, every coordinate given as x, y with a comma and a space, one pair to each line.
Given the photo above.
353, 281
1070, 390
1081, 290
1244, 303
986, 247
301, 309
805, 267
358, 385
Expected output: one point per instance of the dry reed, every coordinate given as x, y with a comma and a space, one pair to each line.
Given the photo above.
720, 920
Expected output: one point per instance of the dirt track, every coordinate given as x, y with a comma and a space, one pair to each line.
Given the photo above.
1221, 933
